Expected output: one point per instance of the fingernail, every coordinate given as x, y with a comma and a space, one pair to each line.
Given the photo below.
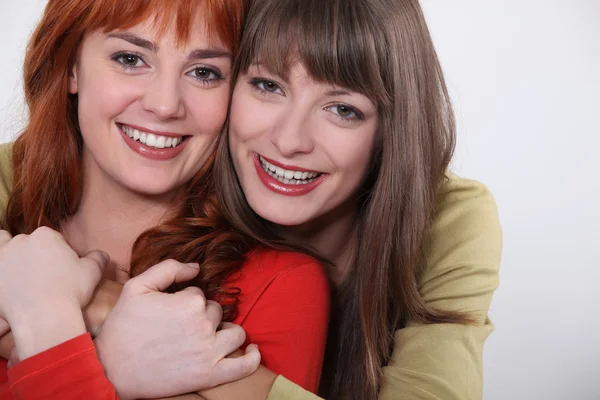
193, 265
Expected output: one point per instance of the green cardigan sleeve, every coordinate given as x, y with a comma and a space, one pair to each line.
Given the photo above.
444, 361
5, 179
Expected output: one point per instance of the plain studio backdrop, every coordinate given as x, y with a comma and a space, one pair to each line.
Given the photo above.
525, 78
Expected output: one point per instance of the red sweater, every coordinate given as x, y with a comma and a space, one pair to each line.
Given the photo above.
284, 309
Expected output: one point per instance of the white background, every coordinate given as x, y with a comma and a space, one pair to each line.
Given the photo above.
525, 78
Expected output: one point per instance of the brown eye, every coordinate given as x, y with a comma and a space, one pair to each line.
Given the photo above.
205, 74
130, 59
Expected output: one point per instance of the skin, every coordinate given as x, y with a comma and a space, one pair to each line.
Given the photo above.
286, 123
309, 125
134, 78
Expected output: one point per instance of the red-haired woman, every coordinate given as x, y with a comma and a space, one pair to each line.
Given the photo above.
127, 100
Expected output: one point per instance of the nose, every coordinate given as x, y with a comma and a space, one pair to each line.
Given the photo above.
163, 97
293, 134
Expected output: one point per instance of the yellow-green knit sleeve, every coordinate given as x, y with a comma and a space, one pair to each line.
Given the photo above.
284, 389
444, 361
5, 179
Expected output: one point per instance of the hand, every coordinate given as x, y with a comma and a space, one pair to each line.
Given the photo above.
255, 386
157, 344
43, 285
103, 301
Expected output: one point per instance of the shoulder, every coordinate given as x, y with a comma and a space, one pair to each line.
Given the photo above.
464, 247
270, 262
6, 176
466, 209
281, 276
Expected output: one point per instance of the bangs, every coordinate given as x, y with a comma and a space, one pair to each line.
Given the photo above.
334, 40
223, 18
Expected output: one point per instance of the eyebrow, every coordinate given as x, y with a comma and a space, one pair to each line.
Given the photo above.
151, 46
338, 93
135, 40
209, 53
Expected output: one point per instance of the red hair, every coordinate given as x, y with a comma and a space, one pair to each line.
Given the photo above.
47, 155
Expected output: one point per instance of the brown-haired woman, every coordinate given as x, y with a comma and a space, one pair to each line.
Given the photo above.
352, 93
127, 101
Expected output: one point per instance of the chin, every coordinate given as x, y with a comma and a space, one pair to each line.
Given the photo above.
150, 187
282, 218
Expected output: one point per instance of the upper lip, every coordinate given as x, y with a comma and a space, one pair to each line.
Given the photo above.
154, 132
288, 166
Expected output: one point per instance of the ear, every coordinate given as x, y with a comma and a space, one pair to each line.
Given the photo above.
73, 85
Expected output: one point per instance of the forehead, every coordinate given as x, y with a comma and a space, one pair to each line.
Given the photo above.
155, 29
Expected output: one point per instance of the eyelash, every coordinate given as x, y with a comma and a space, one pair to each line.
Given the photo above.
256, 83
118, 58
358, 116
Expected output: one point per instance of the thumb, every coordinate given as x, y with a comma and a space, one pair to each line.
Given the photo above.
162, 275
4, 327
13, 359
96, 260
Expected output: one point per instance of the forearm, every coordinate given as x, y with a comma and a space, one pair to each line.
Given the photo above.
254, 387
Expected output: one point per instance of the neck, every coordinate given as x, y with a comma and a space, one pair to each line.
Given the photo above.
110, 218
332, 236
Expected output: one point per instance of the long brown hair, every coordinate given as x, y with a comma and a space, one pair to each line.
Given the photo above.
47, 155
382, 49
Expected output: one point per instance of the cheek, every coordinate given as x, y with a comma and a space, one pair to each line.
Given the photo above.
102, 96
249, 119
352, 155
208, 108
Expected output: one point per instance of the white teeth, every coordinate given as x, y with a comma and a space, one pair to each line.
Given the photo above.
288, 177
150, 139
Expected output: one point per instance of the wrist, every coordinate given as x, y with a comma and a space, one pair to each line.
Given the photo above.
44, 328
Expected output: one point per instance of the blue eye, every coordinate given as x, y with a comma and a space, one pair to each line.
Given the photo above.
346, 112
265, 85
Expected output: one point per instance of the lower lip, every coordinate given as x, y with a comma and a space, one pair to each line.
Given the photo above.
282, 188
152, 152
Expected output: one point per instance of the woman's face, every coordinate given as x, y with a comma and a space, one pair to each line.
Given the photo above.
150, 111
301, 148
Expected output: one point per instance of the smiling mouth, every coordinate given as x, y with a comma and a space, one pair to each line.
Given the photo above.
151, 139
288, 176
